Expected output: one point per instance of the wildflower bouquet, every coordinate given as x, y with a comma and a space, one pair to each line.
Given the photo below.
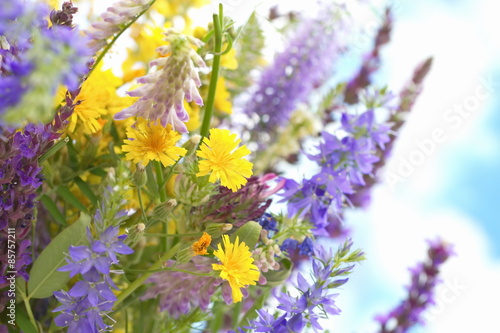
164, 198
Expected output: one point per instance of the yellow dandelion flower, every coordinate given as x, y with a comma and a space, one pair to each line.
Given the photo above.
222, 100
200, 246
151, 141
223, 160
237, 266
93, 100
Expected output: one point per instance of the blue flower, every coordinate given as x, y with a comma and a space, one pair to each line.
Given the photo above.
83, 259
111, 244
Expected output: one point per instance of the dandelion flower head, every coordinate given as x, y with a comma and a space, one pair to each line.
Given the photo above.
223, 159
151, 141
236, 266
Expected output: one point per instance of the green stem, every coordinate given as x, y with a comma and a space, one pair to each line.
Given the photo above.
28, 309
198, 234
159, 180
125, 27
144, 217
140, 280
163, 198
207, 117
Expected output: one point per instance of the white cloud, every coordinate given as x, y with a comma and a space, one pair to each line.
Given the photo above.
393, 234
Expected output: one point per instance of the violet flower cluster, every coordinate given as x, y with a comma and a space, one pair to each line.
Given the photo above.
178, 292
20, 177
91, 298
342, 164
315, 300
424, 278
306, 62
36, 59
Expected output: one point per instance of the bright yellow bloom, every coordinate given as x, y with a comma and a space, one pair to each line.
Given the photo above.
151, 141
237, 266
200, 246
223, 160
97, 94
222, 100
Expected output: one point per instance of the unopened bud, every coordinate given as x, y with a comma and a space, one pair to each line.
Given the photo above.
136, 233
192, 144
184, 255
140, 177
217, 229
163, 210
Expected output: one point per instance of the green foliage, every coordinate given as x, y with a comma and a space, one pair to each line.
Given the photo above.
249, 46
44, 276
248, 233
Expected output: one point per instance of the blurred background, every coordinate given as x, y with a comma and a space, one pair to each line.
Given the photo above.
443, 176
437, 185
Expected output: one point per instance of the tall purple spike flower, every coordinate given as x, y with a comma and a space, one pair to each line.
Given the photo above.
180, 292
315, 299
34, 61
163, 91
20, 178
371, 62
85, 304
113, 20
407, 99
424, 278
304, 64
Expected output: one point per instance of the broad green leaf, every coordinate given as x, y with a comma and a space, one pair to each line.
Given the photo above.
86, 190
24, 323
276, 278
53, 210
248, 233
69, 197
44, 276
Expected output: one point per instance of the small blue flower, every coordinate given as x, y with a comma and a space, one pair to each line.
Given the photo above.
111, 244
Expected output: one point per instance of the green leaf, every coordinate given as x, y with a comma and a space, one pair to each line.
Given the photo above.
248, 233
99, 172
70, 198
54, 149
44, 276
24, 323
53, 210
86, 190
276, 278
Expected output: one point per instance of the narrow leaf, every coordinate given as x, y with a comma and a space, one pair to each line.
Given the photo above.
53, 210
54, 149
248, 233
86, 190
44, 276
70, 198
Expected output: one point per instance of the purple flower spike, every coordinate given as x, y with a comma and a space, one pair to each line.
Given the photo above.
424, 278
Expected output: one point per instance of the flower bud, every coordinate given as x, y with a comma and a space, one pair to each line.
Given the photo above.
140, 177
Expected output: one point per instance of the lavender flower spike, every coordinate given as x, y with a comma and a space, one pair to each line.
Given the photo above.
163, 92
306, 62
424, 277
112, 20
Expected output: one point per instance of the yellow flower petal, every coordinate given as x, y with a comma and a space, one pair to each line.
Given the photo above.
236, 266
